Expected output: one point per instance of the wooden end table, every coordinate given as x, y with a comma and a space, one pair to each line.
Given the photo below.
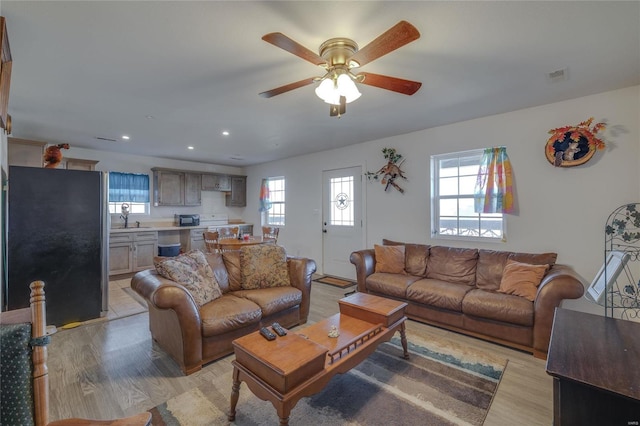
301, 364
593, 361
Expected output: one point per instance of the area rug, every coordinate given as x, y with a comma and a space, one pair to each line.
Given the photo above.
334, 281
442, 383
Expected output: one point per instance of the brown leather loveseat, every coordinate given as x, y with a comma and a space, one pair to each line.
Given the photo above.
463, 289
195, 335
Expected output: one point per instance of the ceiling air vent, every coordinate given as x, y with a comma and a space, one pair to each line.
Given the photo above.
558, 75
105, 139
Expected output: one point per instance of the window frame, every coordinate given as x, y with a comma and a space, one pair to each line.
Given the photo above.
115, 207
436, 197
268, 214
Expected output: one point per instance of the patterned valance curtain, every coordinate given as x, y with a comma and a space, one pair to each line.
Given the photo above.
128, 187
265, 203
493, 191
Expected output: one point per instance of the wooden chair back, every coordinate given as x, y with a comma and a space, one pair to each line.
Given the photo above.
270, 233
211, 241
228, 232
36, 315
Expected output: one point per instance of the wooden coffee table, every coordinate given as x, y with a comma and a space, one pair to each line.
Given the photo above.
301, 364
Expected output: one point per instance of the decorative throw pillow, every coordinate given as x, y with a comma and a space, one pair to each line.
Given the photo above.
389, 259
522, 279
264, 266
192, 271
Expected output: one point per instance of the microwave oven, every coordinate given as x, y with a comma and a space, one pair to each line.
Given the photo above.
187, 219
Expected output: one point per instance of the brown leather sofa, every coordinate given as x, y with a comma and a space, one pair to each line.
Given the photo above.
457, 289
195, 336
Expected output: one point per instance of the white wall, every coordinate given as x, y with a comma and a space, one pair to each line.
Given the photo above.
563, 210
212, 202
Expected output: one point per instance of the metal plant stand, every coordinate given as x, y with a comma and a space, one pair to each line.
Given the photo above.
622, 239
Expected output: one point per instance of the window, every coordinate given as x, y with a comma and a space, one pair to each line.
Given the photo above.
342, 213
274, 216
453, 179
129, 188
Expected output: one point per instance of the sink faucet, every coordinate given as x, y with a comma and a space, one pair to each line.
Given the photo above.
124, 208
137, 224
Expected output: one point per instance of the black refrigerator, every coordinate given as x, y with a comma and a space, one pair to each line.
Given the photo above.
57, 233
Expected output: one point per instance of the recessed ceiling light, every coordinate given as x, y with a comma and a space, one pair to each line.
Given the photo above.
225, 133
125, 137
149, 117
189, 147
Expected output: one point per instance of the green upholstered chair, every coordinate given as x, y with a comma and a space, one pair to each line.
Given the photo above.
24, 378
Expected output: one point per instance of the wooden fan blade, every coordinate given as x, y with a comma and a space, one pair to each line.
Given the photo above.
283, 42
287, 87
406, 87
392, 39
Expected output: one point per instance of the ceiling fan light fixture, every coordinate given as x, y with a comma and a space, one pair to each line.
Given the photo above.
327, 91
331, 88
347, 88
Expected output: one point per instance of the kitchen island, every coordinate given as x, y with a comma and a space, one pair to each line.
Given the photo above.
132, 249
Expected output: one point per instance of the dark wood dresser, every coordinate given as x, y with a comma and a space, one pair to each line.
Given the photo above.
595, 364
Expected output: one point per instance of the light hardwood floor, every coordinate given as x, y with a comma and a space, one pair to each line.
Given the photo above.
110, 369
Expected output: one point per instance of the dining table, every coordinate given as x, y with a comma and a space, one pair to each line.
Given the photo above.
236, 244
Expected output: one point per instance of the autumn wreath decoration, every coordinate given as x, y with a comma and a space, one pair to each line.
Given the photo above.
574, 145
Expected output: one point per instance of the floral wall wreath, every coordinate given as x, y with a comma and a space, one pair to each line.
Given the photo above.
389, 172
574, 145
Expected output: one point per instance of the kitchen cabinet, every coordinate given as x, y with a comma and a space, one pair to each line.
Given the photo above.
79, 164
5, 77
132, 251
168, 188
176, 188
196, 239
238, 195
23, 152
214, 182
192, 189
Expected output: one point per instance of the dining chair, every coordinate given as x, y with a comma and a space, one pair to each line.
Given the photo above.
228, 232
211, 241
24, 377
270, 233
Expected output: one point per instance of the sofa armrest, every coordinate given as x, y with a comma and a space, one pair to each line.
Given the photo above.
365, 262
164, 294
561, 282
300, 275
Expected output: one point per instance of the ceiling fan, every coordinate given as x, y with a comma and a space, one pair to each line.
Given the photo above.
338, 56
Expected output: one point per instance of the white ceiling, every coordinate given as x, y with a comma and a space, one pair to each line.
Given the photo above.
87, 69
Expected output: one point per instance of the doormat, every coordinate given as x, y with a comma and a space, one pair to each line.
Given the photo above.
335, 281
442, 383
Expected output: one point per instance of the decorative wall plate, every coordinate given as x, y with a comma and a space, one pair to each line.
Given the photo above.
574, 145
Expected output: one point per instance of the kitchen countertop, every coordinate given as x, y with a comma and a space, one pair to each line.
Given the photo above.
159, 228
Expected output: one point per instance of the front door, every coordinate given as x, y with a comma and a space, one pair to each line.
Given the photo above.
342, 220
